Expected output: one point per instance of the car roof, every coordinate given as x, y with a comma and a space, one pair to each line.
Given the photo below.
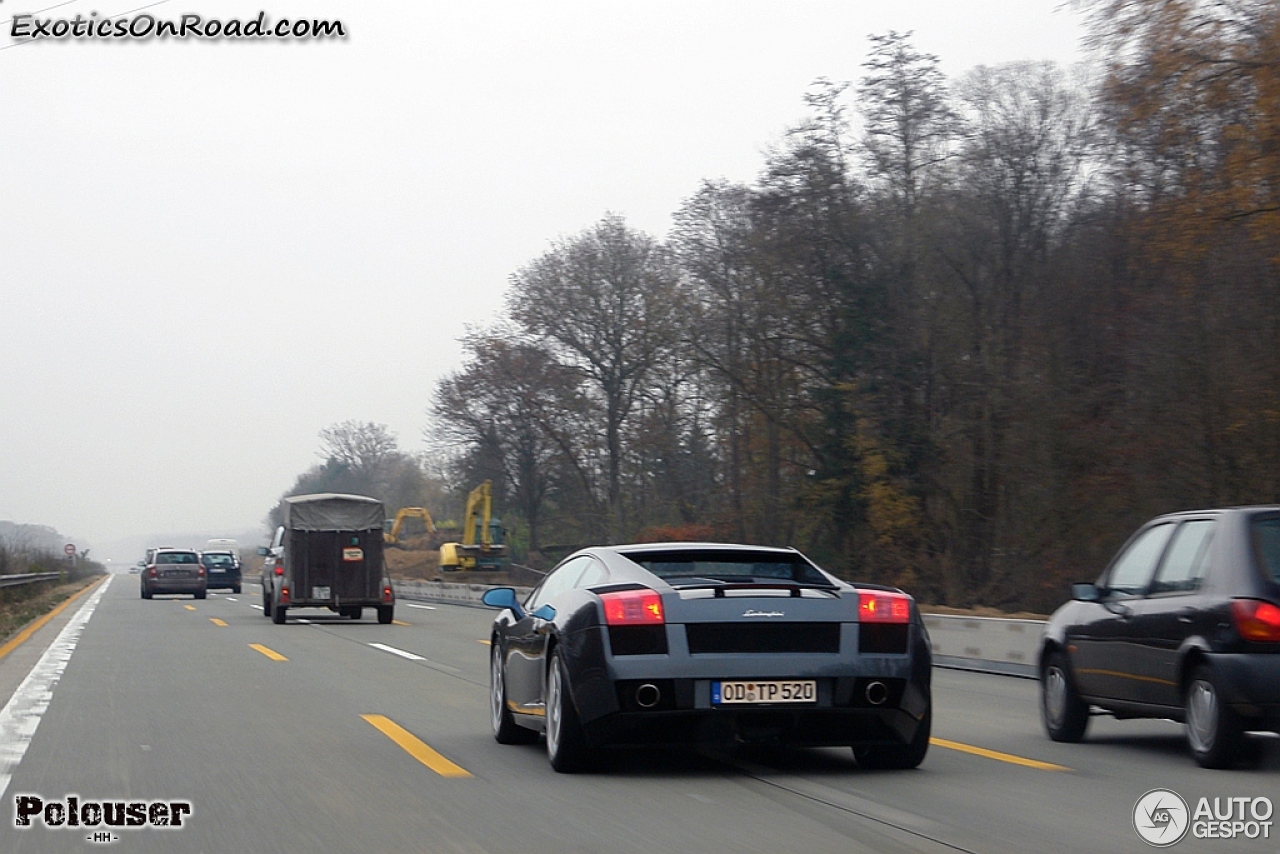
1220, 511
678, 547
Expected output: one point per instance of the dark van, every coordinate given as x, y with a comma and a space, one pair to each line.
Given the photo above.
327, 554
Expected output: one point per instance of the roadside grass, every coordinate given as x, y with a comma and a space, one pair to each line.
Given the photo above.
20, 605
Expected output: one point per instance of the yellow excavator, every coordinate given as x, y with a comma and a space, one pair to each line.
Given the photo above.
392, 528
481, 547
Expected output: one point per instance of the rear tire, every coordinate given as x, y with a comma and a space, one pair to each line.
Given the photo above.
1064, 712
1215, 733
236, 589
277, 615
355, 612
146, 594
266, 603
566, 742
200, 594
505, 728
898, 756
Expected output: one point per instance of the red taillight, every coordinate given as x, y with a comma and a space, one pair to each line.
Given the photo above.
881, 606
387, 596
1256, 620
633, 608
200, 572
279, 569
284, 595
152, 571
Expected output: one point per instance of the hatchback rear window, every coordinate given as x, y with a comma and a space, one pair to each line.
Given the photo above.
176, 557
1266, 541
728, 566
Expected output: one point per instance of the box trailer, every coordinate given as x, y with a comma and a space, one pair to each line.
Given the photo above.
327, 554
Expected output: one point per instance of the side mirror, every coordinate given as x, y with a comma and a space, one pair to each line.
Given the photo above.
503, 597
546, 612
1085, 591
263, 551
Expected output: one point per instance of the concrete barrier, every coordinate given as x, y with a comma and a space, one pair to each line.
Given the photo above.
984, 644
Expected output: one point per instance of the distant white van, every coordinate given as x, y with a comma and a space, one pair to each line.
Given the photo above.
223, 545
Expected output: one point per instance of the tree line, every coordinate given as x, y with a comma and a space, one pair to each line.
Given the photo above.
960, 335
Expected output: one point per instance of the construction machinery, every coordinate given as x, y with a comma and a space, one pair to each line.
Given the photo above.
482, 547
391, 528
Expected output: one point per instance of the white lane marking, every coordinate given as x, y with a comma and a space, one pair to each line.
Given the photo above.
393, 651
231, 599
302, 621
21, 715
423, 607
259, 607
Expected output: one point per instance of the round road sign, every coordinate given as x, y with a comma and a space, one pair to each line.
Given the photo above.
69, 549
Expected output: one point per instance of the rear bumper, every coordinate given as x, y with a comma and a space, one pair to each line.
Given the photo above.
226, 581
828, 727
1251, 685
176, 585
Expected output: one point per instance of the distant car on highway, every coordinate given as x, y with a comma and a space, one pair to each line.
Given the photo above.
223, 570
173, 571
1183, 624
708, 643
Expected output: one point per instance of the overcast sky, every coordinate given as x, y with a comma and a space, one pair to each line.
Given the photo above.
215, 249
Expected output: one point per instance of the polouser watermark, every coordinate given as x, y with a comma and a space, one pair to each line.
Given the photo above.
99, 819
1162, 817
142, 26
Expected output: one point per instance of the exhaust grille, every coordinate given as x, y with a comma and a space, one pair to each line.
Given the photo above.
709, 638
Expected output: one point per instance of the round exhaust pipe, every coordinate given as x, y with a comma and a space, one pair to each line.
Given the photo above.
648, 695
876, 693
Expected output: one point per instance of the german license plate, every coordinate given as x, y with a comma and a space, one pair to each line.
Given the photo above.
319, 592
772, 691
350, 555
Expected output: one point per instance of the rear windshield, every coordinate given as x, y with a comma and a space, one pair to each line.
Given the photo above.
1266, 541
218, 560
678, 568
176, 557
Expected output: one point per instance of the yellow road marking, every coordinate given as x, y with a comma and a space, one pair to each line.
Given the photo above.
17, 640
485, 642
399, 623
269, 653
416, 748
997, 755
189, 607
217, 622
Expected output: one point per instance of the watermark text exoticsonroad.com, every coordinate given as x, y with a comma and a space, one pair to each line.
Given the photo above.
145, 26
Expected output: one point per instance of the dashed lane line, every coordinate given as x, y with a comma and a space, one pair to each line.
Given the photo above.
997, 755
415, 747
268, 652
218, 622
400, 652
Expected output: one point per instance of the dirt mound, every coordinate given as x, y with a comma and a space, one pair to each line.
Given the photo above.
411, 564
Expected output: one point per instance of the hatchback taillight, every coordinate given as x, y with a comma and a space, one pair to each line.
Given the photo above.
633, 608
1256, 620
279, 569
882, 606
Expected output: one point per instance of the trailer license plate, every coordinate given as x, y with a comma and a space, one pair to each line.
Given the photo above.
352, 554
319, 592
776, 691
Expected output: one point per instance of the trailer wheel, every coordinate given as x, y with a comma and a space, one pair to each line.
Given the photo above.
277, 615
355, 612
386, 613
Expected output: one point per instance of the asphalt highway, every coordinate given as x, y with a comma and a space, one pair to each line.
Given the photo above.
331, 735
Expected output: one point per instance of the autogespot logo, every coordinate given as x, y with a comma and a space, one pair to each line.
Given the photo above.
1160, 817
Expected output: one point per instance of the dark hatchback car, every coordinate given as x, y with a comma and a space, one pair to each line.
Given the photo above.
688, 643
1183, 624
173, 571
222, 569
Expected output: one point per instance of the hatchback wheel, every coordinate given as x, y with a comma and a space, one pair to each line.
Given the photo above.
1063, 710
566, 743
1214, 731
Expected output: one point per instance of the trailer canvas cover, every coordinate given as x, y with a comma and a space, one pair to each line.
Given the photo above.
331, 511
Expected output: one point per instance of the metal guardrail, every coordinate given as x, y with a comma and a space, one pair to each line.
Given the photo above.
983, 644
28, 578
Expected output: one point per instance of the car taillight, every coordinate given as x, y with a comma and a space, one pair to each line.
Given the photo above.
152, 571
200, 572
1256, 620
880, 606
279, 569
387, 595
633, 608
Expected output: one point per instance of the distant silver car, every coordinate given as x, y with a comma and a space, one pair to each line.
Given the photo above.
174, 571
